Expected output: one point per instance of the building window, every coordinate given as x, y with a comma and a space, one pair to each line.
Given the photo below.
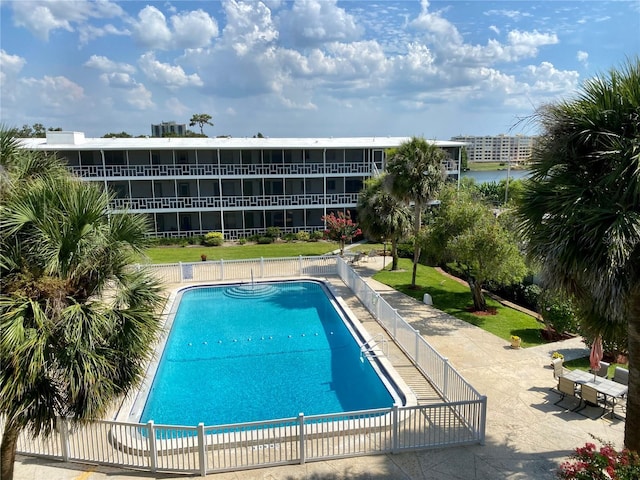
183, 190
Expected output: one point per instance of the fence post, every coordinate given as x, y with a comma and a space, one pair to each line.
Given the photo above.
395, 441
300, 265
202, 449
483, 419
64, 438
445, 380
261, 267
153, 452
221, 269
301, 435
417, 347
181, 272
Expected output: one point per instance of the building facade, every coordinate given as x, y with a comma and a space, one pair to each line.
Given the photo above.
237, 186
172, 128
498, 148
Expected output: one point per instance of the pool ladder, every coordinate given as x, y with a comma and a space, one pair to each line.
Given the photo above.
371, 348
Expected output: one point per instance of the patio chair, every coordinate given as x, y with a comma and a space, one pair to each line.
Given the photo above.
604, 370
558, 367
372, 254
621, 375
356, 258
591, 398
566, 388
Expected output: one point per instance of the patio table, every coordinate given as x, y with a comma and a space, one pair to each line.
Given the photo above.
607, 387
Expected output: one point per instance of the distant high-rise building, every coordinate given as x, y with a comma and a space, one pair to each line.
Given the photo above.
159, 130
498, 148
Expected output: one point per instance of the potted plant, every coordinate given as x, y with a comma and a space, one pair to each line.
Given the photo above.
203, 257
515, 341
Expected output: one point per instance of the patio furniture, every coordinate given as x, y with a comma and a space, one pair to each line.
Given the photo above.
604, 370
566, 387
621, 375
611, 391
591, 398
558, 368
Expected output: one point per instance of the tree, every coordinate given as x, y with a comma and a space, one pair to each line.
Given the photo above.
200, 119
340, 228
580, 211
466, 231
77, 325
416, 174
122, 134
382, 216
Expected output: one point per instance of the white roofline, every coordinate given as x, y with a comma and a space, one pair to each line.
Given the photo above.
76, 141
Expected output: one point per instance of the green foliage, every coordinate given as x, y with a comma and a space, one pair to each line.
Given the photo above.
242, 241
453, 298
213, 239
303, 236
605, 463
200, 119
289, 237
558, 312
340, 228
265, 240
317, 235
273, 232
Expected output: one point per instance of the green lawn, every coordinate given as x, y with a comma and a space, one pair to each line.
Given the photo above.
454, 298
237, 252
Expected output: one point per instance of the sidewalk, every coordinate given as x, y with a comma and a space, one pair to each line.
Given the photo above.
527, 435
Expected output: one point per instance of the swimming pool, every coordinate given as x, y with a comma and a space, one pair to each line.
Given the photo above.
243, 353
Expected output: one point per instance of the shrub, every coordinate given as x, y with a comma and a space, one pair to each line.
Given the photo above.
303, 236
272, 232
213, 239
317, 235
265, 240
590, 463
557, 312
289, 237
242, 241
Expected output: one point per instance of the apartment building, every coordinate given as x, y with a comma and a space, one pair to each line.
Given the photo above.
498, 148
237, 186
173, 128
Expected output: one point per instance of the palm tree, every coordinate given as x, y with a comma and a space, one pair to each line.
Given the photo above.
581, 210
200, 119
77, 323
416, 174
382, 216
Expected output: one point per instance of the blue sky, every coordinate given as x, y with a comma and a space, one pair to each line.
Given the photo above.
305, 67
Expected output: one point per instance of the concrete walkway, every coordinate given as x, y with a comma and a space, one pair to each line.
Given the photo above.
527, 435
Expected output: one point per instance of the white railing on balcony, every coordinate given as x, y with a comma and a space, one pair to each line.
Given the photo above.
459, 420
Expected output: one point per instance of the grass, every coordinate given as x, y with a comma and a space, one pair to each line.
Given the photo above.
237, 252
490, 166
454, 298
584, 364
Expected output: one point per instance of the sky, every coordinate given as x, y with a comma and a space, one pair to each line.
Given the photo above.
304, 68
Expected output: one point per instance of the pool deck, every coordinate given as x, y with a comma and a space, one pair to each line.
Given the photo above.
527, 435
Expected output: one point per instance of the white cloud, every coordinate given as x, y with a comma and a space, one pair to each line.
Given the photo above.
176, 107
104, 64
314, 22
118, 80
41, 17
512, 14
10, 64
548, 80
583, 58
494, 29
190, 29
58, 92
86, 33
139, 97
168, 75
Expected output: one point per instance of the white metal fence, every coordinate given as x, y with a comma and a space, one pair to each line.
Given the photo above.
459, 420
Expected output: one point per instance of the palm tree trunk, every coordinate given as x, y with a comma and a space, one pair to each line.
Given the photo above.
416, 245
394, 254
632, 418
479, 302
8, 450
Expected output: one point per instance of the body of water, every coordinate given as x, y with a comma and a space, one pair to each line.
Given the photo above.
496, 175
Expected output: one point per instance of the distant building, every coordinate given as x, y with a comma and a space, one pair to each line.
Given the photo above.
238, 186
161, 129
498, 148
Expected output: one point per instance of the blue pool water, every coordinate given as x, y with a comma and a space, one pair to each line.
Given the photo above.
239, 355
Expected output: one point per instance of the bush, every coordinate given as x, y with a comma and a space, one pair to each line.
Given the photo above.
272, 232
317, 235
303, 236
213, 239
590, 463
557, 312
289, 237
242, 241
265, 240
